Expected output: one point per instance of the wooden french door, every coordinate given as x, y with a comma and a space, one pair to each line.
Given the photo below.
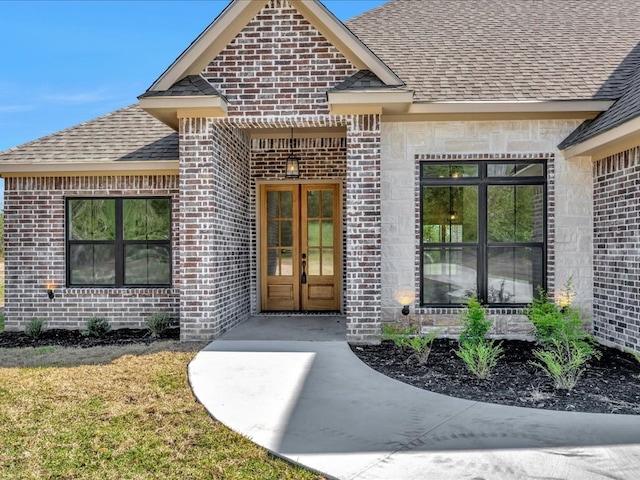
300, 247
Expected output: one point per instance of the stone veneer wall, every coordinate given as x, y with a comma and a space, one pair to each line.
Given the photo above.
214, 230
35, 254
616, 260
569, 207
320, 159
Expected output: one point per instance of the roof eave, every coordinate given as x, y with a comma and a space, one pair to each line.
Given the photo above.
375, 101
111, 167
607, 143
170, 110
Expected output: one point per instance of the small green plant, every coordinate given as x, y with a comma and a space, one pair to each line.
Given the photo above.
158, 322
399, 334
564, 361
480, 357
636, 355
97, 327
35, 327
475, 325
421, 346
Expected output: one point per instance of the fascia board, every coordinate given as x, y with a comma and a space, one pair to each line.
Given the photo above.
49, 169
577, 106
369, 101
608, 143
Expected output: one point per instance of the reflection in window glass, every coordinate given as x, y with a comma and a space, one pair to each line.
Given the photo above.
449, 274
92, 219
146, 219
435, 170
147, 265
514, 213
514, 274
449, 214
92, 264
515, 170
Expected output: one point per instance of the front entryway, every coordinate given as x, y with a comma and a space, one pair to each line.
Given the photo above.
300, 247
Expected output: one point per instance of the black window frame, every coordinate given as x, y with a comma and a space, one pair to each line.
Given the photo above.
119, 244
483, 181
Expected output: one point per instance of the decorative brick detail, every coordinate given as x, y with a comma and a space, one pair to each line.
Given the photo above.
35, 254
278, 65
616, 259
363, 246
214, 234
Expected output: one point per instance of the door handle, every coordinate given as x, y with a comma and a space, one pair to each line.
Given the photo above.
303, 278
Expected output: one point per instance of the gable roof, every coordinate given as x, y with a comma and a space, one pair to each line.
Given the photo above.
129, 136
507, 50
240, 12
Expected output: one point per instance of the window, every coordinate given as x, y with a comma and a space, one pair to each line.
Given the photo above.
483, 230
119, 241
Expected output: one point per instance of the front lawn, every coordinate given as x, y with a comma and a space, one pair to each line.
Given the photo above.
132, 418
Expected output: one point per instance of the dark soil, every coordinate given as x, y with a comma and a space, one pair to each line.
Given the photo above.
75, 338
608, 385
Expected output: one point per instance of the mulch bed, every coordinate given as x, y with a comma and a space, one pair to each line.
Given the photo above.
609, 385
75, 338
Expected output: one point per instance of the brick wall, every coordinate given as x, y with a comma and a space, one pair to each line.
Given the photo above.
278, 65
616, 258
35, 254
363, 254
214, 234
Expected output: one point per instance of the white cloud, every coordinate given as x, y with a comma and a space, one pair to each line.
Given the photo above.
77, 98
15, 108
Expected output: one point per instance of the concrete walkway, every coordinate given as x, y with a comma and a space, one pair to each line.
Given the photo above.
292, 385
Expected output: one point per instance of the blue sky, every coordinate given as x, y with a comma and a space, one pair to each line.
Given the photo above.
66, 62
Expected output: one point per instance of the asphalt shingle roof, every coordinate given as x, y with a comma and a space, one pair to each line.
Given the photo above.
474, 50
192, 85
126, 134
362, 80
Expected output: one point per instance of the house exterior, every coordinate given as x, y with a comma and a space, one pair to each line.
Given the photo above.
444, 148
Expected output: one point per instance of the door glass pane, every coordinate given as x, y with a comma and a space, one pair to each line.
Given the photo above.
92, 219
313, 233
515, 213
286, 205
450, 214
273, 233
286, 234
286, 262
273, 264
449, 274
514, 274
147, 265
327, 203
313, 203
327, 261
327, 233
92, 264
272, 204
313, 261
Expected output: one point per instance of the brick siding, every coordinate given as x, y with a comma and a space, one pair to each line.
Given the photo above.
214, 233
363, 246
35, 254
616, 261
278, 65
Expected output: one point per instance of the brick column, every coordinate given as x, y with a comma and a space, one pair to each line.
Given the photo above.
214, 235
363, 242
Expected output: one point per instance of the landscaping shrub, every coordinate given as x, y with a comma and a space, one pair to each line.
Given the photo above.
398, 334
479, 354
35, 327
474, 322
158, 322
480, 357
564, 361
97, 327
408, 337
566, 346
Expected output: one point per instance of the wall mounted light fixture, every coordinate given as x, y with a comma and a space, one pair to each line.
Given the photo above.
405, 297
50, 291
293, 163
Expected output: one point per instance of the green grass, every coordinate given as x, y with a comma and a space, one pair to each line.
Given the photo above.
132, 418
